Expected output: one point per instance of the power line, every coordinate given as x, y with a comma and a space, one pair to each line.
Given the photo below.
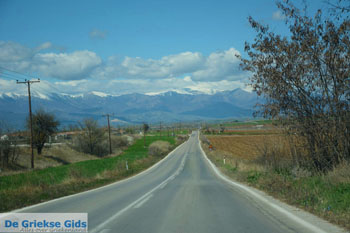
2, 68
3, 75
11, 74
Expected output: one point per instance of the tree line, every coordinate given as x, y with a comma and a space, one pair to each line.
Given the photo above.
90, 138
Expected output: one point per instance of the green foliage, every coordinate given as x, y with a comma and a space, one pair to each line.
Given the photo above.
51, 181
145, 128
318, 194
253, 177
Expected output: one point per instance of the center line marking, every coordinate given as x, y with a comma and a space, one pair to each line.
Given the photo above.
116, 215
143, 201
161, 187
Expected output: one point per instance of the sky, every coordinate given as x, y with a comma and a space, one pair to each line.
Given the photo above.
119, 47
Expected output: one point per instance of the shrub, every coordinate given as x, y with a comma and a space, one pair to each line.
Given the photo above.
159, 148
120, 141
276, 154
92, 139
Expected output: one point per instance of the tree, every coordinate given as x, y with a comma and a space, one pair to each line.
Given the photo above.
44, 125
91, 138
145, 129
222, 128
305, 79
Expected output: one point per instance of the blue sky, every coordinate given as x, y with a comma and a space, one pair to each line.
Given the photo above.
118, 47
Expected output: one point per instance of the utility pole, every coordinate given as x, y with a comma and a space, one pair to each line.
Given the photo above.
160, 129
28, 82
109, 134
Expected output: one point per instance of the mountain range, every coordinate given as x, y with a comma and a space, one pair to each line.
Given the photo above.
168, 107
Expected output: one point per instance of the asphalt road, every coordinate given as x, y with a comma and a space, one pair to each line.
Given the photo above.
182, 194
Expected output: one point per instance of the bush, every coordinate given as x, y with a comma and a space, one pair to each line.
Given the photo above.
92, 139
8, 146
181, 138
276, 154
159, 148
120, 141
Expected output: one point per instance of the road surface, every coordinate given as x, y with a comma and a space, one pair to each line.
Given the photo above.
182, 194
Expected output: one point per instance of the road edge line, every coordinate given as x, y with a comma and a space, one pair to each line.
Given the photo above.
258, 196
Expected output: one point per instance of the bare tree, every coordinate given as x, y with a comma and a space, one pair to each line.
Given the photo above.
44, 125
8, 145
92, 138
339, 8
305, 81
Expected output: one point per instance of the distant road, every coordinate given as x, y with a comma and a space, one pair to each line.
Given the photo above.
180, 195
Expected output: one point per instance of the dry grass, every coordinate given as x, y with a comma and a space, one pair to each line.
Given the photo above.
241, 147
159, 148
50, 157
266, 162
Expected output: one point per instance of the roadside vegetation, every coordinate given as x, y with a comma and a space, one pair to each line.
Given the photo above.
304, 80
35, 186
266, 162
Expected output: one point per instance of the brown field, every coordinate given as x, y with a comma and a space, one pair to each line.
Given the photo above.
247, 147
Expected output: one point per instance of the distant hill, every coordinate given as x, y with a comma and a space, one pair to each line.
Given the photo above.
131, 108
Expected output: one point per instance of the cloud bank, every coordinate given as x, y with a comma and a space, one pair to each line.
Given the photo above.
192, 70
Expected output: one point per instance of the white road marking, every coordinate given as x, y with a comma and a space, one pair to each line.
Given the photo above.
163, 185
143, 201
261, 198
119, 213
106, 231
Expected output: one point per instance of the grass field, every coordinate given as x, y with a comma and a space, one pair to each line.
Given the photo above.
32, 187
327, 196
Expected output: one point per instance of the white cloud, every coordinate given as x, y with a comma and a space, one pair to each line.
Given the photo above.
74, 69
217, 66
166, 67
220, 66
66, 66
43, 46
97, 34
14, 52
188, 79
277, 15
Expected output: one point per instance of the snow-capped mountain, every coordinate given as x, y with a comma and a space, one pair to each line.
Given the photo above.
171, 106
